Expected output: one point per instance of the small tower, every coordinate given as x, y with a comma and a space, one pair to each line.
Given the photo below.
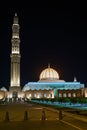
75, 80
15, 59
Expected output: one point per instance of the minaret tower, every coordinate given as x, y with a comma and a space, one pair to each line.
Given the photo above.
15, 57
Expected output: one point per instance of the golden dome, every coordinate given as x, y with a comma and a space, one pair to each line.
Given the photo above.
49, 73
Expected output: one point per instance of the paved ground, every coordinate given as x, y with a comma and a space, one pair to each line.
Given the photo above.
36, 125
16, 116
16, 112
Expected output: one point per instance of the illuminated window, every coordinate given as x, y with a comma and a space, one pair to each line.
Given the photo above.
30, 95
40, 95
50, 95
74, 95
69, 94
44, 95
60, 95
35, 95
64, 95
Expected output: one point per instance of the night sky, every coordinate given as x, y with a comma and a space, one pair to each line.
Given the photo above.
49, 35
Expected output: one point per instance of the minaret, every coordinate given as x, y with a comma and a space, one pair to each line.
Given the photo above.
15, 57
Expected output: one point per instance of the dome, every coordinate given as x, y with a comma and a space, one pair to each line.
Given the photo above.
3, 89
49, 74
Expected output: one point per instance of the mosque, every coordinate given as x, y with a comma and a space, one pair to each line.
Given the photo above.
49, 84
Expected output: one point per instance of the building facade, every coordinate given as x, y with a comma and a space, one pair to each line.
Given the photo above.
49, 84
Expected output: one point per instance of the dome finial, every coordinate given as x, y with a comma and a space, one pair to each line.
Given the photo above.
48, 65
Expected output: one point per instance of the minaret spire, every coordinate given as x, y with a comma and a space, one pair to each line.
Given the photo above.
15, 20
15, 36
15, 56
15, 14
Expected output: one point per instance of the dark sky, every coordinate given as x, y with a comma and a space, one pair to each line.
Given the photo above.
55, 35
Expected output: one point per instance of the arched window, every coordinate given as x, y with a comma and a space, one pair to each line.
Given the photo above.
34, 95
60, 94
39, 95
45, 95
64, 94
74, 94
50, 95
30, 95
69, 94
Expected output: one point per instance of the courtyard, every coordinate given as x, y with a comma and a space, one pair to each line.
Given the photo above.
34, 118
